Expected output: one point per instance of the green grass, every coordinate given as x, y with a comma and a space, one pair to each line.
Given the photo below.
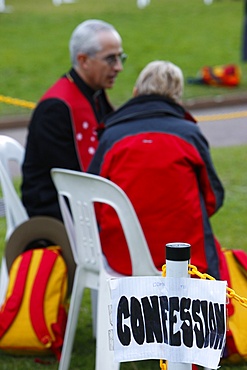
231, 220
34, 52
230, 228
34, 42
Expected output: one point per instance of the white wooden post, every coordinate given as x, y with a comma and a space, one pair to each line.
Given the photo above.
177, 260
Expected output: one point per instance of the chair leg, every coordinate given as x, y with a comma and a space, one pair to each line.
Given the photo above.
74, 309
104, 341
94, 305
4, 279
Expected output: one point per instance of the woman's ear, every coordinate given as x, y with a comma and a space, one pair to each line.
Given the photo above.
135, 91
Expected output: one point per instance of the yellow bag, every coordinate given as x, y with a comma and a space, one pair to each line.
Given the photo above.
33, 316
236, 343
228, 75
224, 75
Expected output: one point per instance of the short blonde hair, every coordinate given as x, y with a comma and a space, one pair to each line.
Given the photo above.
162, 78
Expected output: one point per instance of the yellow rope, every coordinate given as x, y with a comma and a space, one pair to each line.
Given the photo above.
192, 269
17, 102
230, 293
213, 117
163, 365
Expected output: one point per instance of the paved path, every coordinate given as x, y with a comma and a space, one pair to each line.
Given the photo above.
220, 125
223, 126
19, 134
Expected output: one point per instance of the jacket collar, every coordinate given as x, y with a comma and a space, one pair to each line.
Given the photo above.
147, 106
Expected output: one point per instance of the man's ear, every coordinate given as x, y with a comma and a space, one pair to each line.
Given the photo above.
135, 91
82, 60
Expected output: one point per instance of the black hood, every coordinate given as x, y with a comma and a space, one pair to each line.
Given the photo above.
147, 106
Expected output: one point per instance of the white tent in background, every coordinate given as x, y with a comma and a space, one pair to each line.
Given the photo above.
2, 5
142, 3
59, 2
4, 8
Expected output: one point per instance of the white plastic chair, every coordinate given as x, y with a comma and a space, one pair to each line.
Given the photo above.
92, 271
10, 151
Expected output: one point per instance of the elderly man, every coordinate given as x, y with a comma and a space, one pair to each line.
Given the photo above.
62, 132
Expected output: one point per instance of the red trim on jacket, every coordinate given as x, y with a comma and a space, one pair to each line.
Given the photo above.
148, 177
163, 164
83, 119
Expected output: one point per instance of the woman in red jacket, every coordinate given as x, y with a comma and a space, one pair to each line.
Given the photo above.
154, 150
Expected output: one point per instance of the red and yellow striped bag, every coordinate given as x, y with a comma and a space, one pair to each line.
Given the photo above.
33, 315
236, 272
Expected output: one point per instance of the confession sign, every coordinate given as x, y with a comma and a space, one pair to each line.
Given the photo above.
176, 319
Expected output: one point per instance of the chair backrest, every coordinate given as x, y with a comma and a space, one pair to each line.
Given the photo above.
82, 190
11, 153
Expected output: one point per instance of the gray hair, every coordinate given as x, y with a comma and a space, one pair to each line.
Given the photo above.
84, 38
162, 78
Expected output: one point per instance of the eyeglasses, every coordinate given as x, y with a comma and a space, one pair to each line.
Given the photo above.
111, 60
